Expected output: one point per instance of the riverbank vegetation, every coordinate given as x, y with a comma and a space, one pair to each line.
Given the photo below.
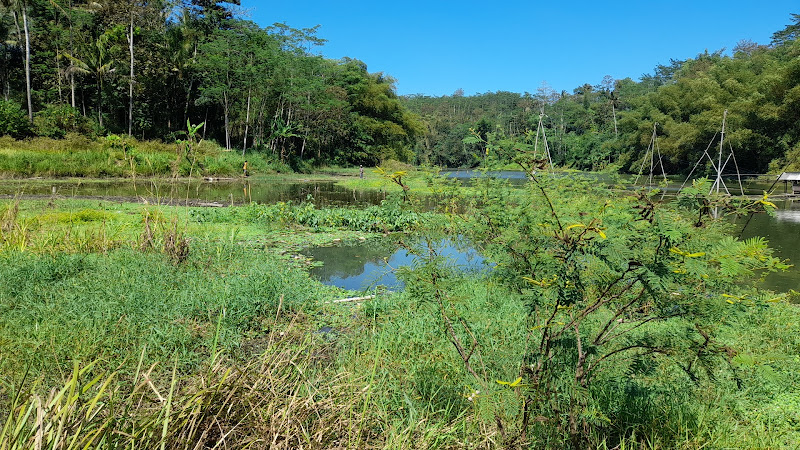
605, 321
114, 156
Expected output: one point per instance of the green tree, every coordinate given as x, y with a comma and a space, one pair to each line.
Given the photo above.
220, 65
788, 34
13, 121
21, 7
95, 60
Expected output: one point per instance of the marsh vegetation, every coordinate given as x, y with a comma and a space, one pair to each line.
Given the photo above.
611, 318
607, 320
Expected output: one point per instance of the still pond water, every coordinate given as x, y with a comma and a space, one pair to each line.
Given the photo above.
321, 193
365, 265
368, 265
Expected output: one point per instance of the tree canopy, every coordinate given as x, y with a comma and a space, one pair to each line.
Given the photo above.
145, 68
612, 122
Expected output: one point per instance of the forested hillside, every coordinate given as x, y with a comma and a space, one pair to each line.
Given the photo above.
613, 122
145, 68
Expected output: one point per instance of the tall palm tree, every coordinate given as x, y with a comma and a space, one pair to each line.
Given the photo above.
97, 62
181, 48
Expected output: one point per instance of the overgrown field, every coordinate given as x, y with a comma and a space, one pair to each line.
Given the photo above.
607, 321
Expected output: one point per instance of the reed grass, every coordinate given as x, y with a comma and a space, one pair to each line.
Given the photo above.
285, 397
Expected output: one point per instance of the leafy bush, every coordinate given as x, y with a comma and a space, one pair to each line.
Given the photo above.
621, 294
384, 218
55, 121
13, 120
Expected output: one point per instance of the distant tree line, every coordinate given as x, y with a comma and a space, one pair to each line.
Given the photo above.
145, 68
613, 122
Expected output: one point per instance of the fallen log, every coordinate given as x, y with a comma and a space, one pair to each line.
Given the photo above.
353, 299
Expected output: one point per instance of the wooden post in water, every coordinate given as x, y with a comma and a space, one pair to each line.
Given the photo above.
721, 142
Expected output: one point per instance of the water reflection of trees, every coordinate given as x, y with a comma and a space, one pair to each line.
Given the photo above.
365, 263
224, 191
350, 259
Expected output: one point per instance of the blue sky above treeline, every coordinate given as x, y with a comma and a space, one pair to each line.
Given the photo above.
437, 47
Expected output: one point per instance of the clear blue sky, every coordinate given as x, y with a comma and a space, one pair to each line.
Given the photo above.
435, 47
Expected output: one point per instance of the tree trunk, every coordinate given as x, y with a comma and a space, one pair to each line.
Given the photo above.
16, 26
205, 121
283, 141
188, 99
189, 95
72, 52
100, 99
58, 74
246, 123
260, 121
227, 125
273, 139
614, 113
130, 84
27, 60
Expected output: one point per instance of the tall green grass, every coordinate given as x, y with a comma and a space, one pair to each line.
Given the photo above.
58, 308
78, 156
284, 397
109, 339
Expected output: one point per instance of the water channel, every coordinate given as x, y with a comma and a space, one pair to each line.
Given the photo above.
198, 192
364, 265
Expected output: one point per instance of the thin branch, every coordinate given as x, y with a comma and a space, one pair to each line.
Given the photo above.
598, 303
652, 349
617, 315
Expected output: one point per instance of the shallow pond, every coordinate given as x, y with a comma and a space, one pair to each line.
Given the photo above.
367, 265
374, 267
783, 233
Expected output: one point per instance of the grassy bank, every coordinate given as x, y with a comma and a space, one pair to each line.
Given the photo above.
79, 156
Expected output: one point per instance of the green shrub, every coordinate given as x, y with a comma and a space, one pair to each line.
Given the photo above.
13, 120
382, 218
55, 121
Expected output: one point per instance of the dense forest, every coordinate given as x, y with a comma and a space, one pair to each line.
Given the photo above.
145, 69
613, 122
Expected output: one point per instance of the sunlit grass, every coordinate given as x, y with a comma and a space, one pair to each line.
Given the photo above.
79, 156
110, 338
